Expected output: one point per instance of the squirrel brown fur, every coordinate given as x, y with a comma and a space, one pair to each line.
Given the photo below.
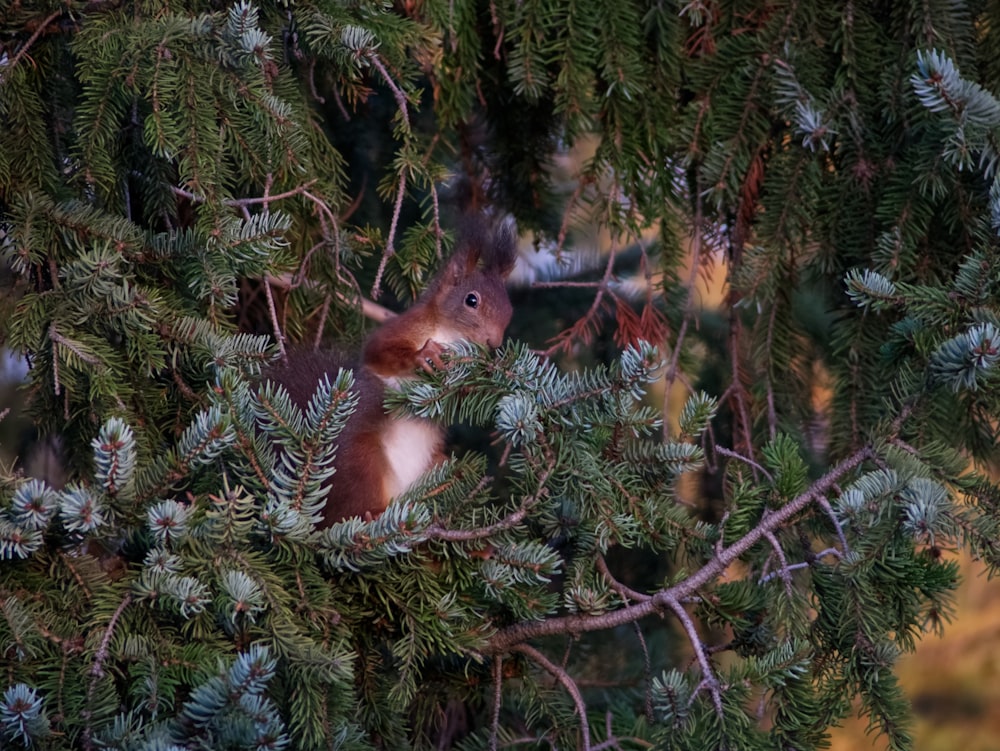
380, 456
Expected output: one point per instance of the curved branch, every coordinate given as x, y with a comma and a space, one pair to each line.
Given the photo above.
624, 592
563, 677
707, 674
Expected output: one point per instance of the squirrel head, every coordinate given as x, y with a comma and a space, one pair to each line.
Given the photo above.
470, 293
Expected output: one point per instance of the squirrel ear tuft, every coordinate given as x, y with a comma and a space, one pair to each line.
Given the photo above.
486, 243
503, 250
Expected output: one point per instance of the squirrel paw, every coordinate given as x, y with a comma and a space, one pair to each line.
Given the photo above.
429, 356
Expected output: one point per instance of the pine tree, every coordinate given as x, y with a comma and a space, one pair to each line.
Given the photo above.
187, 189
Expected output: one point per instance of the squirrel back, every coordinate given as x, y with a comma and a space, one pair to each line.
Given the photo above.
380, 456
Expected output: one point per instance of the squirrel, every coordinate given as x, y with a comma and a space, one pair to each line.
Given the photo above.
380, 456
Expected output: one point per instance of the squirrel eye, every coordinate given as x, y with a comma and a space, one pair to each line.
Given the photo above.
472, 300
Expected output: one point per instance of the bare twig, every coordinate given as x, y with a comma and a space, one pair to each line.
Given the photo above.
602, 290
555, 285
647, 672
567, 683
324, 311
375, 312
279, 335
401, 101
625, 592
58, 338
513, 519
5, 73
299, 190
670, 374
404, 112
783, 567
438, 232
828, 509
570, 205
746, 460
803, 564
97, 669
708, 678
390, 240
497, 695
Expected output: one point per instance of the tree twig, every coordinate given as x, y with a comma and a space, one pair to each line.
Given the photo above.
722, 451
497, 696
562, 340
783, 567
279, 335
707, 673
390, 240
27, 45
670, 374
97, 669
567, 683
299, 190
513, 519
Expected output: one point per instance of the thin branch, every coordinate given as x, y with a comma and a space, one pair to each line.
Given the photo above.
570, 205
828, 509
437, 532
390, 240
438, 232
563, 677
323, 313
625, 592
783, 568
300, 190
497, 695
803, 564
72, 346
375, 312
670, 375
300, 275
97, 669
554, 285
403, 104
707, 674
268, 182
562, 339
27, 45
647, 672
746, 460
401, 101
279, 335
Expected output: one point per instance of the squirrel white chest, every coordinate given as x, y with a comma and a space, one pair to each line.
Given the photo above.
411, 446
